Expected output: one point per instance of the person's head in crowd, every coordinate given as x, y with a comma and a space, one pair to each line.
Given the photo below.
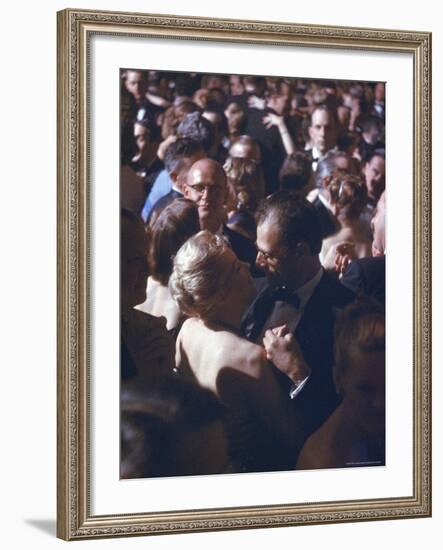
136, 84
195, 126
179, 157
379, 92
217, 99
279, 98
147, 138
183, 106
371, 130
209, 281
174, 225
323, 129
299, 105
236, 86
374, 173
359, 370
296, 174
245, 147
183, 85
217, 118
333, 160
236, 117
175, 114
289, 239
246, 186
133, 260
219, 81
171, 427
349, 143
330, 87
255, 85
206, 186
378, 224
344, 117
346, 193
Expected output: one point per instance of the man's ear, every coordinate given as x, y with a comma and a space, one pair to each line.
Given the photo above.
176, 181
184, 189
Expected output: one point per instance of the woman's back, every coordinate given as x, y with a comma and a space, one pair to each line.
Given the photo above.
260, 420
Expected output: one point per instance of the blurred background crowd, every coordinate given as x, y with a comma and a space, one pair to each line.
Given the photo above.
252, 273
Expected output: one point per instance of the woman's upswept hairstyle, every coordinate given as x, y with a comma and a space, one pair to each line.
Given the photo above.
199, 277
348, 192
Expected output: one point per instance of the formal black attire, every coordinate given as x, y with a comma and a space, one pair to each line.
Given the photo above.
162, 203
367, 276
315, 336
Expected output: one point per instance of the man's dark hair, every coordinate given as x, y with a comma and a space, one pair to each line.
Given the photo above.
180, 149
295, 172
296, 218
195, 126
146, 120
370, 122
327, 109
171, 228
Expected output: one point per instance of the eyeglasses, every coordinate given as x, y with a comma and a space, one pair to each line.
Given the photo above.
211, 189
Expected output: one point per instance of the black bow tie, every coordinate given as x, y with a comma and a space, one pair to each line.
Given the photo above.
261, 309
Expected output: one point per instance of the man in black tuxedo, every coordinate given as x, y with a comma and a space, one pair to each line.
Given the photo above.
301, 296
206, 185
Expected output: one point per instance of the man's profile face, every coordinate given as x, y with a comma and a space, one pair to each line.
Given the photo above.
374, 172
271, 256
322, 131
206, 186
136, 85
142, 138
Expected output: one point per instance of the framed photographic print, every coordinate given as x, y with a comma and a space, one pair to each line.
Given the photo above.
206, 167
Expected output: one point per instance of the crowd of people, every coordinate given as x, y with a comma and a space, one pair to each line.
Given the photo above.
252, 274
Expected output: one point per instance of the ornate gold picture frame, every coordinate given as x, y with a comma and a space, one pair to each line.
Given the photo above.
76, 518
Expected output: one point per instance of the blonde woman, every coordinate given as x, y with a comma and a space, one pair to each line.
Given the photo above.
214, 288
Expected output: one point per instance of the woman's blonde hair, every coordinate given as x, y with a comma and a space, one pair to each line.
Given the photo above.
199, 277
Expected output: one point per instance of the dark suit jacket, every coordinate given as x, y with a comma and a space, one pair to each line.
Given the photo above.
315, 336
162, 203
327, 221
367, 276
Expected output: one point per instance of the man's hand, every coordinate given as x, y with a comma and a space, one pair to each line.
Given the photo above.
271, 119
282, 349
256, 102
339, 256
